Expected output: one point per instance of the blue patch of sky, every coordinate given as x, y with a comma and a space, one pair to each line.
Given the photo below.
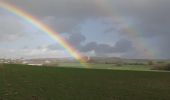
93, 30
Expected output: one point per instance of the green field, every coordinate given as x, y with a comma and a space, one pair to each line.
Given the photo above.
108, 66
20, 82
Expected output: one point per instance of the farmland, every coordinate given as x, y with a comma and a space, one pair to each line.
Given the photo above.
22, 82
108, 66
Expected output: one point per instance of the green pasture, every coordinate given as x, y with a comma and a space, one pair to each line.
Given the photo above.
21, 82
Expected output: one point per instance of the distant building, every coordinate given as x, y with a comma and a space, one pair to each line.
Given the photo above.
35, 64
24, 62
86, 58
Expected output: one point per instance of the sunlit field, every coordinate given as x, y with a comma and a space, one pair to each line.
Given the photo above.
108, 66
21, 82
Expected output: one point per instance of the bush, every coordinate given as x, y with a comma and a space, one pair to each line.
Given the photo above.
118, 64
51, 64
161, 67
150, 63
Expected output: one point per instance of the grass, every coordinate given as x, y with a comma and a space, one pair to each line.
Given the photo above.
20, 82
108, 66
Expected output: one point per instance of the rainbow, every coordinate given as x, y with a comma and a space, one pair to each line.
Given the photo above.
44, 28
135, 35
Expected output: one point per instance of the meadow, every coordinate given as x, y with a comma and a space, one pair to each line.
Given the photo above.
107, 66
22, 82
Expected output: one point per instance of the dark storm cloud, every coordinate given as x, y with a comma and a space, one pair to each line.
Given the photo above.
66, 14
151, 19
76, 39
154, 19
152, 15
121, 46
164, 47
63, 25
60, 8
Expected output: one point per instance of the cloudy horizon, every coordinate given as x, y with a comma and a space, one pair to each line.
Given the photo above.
108, 28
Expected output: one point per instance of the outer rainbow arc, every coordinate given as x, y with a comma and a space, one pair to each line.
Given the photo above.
29, 18
139, 43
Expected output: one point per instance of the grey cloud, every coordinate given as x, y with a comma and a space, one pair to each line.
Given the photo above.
61, 8
67, 14
89, 47
163, 47
121, 46
151, 19
62, 25
109, 30
54, 47
76, 39
10, 29
152, 16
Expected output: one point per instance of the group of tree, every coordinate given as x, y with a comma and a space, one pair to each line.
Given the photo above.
159, 65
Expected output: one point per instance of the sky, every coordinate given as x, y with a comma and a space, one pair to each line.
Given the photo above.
135, 29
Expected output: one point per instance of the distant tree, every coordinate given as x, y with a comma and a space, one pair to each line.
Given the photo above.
107, 63
91, 61
160, 62
150, 63
119, 63
161, 67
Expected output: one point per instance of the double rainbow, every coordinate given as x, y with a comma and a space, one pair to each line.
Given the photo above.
139, 42
44, 28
